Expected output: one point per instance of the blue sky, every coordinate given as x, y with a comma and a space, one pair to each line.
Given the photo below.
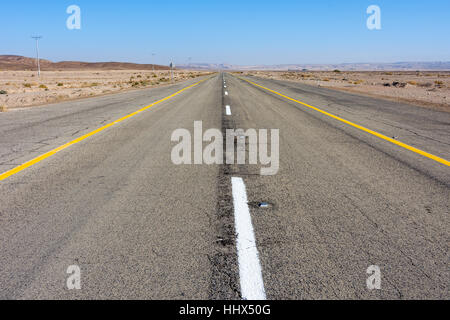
235, 32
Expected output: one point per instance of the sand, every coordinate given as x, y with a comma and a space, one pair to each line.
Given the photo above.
20, 89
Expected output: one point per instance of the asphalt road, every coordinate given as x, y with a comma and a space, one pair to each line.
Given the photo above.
140, 227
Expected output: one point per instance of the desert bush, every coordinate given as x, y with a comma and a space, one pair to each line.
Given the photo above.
145, 83
60, 84
93, 84
337, 71
3, 109
3, 92
358, 82
43, 86
413, 83
27, 85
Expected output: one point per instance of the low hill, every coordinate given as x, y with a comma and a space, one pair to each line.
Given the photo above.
19, 63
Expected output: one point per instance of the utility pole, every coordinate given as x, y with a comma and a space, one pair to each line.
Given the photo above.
171, 70
37, 38
153, 62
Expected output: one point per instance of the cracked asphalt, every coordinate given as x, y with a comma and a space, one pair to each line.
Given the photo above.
140, 227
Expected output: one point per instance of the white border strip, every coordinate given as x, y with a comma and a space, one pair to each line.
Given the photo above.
228, 110
250, 273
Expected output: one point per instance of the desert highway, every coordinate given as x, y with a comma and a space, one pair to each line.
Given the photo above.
90, 183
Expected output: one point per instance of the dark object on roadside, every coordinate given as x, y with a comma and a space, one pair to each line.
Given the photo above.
386, 84
399, 84
3, 92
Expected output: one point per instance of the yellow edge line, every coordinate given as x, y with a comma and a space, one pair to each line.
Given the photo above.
379, 135
28, 164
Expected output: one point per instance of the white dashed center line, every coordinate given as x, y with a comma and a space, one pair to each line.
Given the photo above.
228, 110
226, 93
250, 273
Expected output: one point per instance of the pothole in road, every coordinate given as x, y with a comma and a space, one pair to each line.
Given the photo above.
263, 205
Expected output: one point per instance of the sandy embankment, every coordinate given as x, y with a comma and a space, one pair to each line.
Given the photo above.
426, 89
25, 89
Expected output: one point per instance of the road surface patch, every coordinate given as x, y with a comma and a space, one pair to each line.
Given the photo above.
32, 162
379, 135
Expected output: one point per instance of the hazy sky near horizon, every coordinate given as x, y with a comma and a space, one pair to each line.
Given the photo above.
235, 32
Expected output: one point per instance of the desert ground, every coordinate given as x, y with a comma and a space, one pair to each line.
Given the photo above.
425, 89
24, 88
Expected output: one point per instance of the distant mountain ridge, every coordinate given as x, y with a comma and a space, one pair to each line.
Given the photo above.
14, 62
396, 66
20, 63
